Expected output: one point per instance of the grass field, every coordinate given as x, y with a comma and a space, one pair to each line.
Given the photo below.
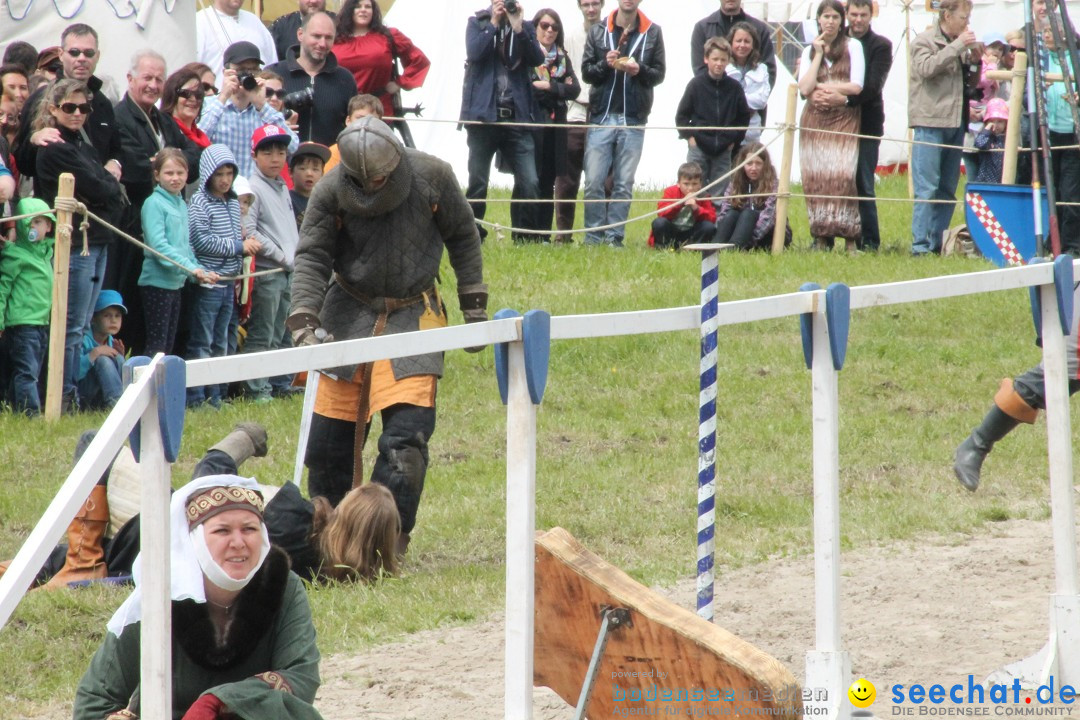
617, 440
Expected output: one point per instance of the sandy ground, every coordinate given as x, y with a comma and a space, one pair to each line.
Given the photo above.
926, 612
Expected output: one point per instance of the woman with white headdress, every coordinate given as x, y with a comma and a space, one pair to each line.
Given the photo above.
243, 639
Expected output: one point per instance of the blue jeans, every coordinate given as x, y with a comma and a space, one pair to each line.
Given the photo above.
208, 328
27, 344
104, 384
266, 327
84, 283
864, 186
935, 171
519, 152
614, 149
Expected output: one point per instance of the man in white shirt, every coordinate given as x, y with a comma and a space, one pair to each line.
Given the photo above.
224, 23
566, 186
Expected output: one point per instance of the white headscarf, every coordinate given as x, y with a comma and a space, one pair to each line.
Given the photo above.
187, 573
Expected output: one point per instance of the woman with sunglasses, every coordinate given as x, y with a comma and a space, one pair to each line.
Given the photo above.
182, 98
370, 51
65, 106
553, 83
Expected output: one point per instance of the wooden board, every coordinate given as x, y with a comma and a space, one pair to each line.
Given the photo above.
668, 662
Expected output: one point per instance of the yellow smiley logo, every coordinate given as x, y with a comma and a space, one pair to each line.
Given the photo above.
862, 693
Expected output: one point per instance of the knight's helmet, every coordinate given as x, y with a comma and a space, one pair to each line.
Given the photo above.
369, 150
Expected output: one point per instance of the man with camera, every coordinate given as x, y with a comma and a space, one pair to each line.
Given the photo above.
240, 108
501, 49
313, 78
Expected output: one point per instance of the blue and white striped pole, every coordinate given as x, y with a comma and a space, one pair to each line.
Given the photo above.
706, 524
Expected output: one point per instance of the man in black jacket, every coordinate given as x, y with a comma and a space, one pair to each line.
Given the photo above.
79, 56
312, 64
501, 49
143, 131
878, 53
623, 61
719, 24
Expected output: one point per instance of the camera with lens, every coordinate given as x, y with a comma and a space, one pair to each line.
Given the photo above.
247, 81
300, 99
511, 7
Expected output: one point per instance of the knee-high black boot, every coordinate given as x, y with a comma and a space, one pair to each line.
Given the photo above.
1009, 410
403, 457
329, 458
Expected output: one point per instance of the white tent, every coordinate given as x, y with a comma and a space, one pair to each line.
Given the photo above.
123, 26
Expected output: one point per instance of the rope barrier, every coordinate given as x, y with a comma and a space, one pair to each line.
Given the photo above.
135, 241
499, 228
780, 128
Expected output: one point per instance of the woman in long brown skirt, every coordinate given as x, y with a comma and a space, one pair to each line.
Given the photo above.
831, 69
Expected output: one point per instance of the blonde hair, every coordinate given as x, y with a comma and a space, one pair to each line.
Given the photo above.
358, 539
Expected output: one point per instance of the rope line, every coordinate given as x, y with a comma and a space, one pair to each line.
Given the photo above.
161, 256
652, 213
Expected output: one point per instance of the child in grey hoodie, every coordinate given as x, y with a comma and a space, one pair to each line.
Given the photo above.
272, 222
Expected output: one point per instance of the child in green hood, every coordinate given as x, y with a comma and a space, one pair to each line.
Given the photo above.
26, 280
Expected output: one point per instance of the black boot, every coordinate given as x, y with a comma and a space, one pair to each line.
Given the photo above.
970, 455
329, 457
403, 457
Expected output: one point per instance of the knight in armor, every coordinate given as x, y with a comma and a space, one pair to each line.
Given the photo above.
371, 244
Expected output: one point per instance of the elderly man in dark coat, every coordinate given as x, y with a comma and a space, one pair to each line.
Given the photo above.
369, 254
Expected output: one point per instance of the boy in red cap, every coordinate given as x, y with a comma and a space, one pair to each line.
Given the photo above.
272, 222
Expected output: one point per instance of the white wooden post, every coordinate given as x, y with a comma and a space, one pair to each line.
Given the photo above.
310, 389
1065, 602
520, 532
155, 688
827, 666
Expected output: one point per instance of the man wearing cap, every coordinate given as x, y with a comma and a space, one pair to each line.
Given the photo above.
224, 24
312, 66
373, 240
241, 108
284, 29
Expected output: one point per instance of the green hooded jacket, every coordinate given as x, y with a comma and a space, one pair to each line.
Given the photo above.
26, 272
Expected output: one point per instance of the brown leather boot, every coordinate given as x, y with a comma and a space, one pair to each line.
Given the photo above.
85, 556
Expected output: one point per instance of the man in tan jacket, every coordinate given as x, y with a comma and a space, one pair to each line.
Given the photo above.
938, 113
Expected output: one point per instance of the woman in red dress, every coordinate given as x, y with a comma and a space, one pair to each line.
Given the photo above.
367, 48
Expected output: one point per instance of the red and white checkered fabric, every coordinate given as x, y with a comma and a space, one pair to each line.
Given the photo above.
997, 234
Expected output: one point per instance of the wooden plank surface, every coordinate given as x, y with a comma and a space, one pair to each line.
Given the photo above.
667, 662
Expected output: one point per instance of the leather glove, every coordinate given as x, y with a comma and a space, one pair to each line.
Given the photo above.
306, 329
207, 707
473, 301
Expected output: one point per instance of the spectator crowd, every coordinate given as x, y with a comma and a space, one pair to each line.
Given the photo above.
212, 165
